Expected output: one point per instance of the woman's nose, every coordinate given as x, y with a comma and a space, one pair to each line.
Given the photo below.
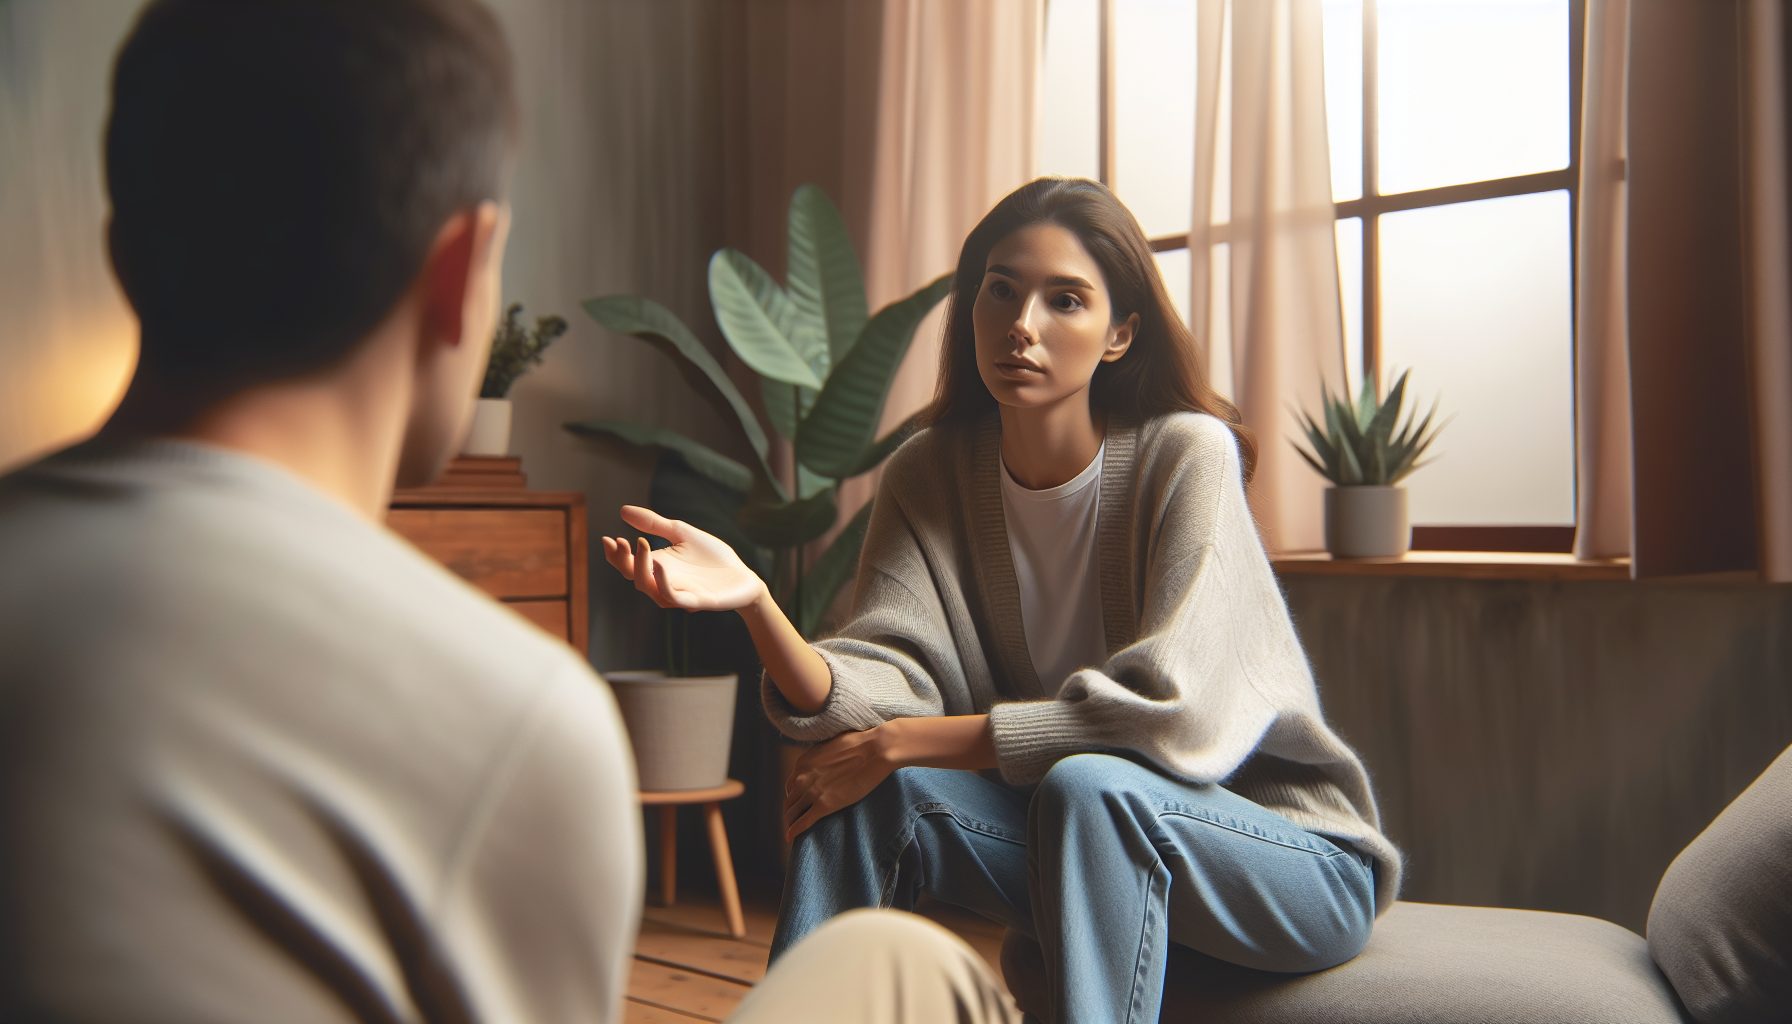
1021, 330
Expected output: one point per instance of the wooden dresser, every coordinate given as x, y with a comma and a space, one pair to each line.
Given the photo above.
525, 548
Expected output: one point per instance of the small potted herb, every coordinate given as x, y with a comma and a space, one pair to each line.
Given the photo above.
514, 352
1362, 453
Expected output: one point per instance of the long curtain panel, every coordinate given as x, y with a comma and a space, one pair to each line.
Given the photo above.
1767, 226
1602, 330
1262, 167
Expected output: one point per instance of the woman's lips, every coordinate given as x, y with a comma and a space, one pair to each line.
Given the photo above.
1018, 371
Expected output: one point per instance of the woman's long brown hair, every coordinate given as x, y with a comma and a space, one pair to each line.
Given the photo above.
1160, 373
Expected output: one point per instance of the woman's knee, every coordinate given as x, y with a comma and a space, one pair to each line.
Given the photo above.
1084, 780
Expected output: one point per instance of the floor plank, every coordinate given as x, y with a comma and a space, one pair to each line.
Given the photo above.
699, 995
705, 917
715, 954
643, 1013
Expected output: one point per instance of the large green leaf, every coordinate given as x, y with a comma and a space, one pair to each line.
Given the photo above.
835, 566
790, 524
645, 318
826, 283
834, 437
887, 444
785, 405
680, 492
738, 293
705, 460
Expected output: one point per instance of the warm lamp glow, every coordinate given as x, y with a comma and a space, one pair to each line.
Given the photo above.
61, 391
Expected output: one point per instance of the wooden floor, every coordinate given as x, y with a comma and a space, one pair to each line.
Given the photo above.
688, 968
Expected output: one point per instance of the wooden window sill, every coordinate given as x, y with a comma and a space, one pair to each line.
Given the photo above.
1472, 565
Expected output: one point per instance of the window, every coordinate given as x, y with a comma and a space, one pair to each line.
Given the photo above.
1452, 126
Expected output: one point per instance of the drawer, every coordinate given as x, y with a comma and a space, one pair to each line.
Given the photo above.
552, 616
508, 553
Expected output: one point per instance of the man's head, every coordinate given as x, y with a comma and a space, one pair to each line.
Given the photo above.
282, 170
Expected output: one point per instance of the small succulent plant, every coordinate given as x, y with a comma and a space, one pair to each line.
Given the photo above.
515, 350
1359, 445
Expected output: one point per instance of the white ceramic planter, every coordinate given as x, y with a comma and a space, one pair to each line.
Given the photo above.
1366, 522
681, 728
489, 433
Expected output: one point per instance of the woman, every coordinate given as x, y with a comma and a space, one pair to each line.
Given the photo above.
1062, 582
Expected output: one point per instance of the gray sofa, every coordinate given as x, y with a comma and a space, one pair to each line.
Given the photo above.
1719, 951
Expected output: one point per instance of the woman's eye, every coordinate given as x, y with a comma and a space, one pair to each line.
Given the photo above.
1067, 301
1001, 290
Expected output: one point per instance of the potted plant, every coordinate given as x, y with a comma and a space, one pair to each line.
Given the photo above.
1362, 453
825, 365
514, 351
679, 725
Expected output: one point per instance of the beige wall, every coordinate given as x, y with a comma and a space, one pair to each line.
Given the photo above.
67, 340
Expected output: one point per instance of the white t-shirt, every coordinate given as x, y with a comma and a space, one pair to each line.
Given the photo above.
1051, 537
260, 759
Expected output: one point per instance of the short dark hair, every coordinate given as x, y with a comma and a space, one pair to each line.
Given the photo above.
1162, 370
279, 168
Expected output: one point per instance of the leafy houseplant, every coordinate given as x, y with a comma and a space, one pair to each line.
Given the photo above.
514, 351
1364, 451
825, 365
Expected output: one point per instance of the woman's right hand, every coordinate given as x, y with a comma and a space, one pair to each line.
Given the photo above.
697, 573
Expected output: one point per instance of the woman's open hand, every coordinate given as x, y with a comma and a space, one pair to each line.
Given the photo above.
832, 775
697, 573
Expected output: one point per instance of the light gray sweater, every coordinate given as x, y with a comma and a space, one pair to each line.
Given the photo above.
1205, 676
261, 760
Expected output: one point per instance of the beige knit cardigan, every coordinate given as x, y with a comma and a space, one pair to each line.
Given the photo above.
1205, 677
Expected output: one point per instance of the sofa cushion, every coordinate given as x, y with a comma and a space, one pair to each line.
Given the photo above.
1425, 964
1721, 923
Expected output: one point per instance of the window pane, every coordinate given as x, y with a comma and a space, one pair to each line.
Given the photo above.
1475, 299
1344, 95
1154, 116
1070, 90
1350, 287
1173, 265
1471, 90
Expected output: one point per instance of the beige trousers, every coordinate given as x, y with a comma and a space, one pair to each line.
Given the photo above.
879, 967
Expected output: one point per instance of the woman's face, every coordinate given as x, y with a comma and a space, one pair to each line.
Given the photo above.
1043, 318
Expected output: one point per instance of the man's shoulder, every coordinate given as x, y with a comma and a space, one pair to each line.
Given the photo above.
224, 559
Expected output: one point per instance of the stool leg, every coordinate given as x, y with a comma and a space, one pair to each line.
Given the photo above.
669, 854
718, 846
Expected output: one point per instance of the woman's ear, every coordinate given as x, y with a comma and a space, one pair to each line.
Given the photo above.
1120, 338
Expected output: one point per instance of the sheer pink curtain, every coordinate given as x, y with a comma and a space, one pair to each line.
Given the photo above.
957, 98
1287, 330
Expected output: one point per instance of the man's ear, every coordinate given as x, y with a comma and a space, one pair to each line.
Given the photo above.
1121, 339
460, 249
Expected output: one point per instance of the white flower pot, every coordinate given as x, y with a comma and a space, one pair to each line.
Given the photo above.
1366, 522
489, 433
681, 728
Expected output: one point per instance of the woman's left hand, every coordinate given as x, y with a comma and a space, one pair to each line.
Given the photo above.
832, 775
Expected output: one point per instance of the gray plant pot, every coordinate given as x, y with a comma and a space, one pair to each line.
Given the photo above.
681, 728
1366, 522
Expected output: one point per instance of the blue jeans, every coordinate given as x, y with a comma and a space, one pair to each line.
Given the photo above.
1106, 864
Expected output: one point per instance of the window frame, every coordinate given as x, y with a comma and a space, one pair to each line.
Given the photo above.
1373, 204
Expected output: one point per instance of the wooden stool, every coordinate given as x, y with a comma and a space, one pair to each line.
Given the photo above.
711, 799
